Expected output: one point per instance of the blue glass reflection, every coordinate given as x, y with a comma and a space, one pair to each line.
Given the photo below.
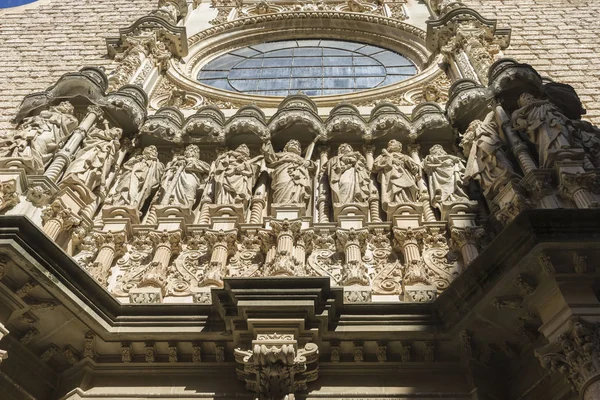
315, 67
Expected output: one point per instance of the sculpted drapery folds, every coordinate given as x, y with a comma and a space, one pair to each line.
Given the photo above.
445, 176
235, 174
139, 177
184, 177
544, 125
398, 174
291, 174
40, 136
349, 177
95, 159
486, 161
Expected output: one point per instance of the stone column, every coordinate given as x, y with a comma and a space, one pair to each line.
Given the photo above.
111, 244
63, 157
374, 215
355, 272
259, 200
576, 186
408, 240
302, 244
323, 194
167, 243
222, 243
519, 148
428, 214
57, 218
466, 239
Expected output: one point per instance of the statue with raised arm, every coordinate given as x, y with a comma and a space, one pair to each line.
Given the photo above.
486, 161
398, 174
97, 156
235, 174
185, 175
291, 176
445, 177
139, 176
544, 125
349, 177
40, 137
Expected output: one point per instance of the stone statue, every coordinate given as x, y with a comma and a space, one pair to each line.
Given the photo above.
234, 175
349, 177
486, 161
184, 177
445, 177
40, 136
95, 159
139, 176
291, 174
544, 125
587, 136
398, 174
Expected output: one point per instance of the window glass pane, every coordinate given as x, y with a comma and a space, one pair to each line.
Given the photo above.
316, 67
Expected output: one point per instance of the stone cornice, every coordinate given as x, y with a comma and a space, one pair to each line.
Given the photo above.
75, 288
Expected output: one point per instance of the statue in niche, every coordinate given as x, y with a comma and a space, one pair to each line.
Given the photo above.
486, 161
234, 175
349, 177
40, 136
445, 177
398, 174
184, 177
95, 159
291, 175
544, 125
139, 176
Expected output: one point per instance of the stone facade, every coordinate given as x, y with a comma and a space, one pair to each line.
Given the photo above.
434, 238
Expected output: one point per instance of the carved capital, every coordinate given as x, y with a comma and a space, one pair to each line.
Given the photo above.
408, 236
467, 235
8, 194
576, 355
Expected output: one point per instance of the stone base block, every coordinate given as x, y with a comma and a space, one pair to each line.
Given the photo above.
357, 294
147, 295
202, 295
419, 293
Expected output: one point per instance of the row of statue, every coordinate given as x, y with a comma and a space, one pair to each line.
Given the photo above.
233, 176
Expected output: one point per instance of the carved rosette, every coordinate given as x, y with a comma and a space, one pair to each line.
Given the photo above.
276, 367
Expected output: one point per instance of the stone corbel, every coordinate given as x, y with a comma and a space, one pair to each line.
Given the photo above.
276, 367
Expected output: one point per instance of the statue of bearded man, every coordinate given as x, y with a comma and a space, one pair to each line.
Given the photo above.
398, 174
349, 177
445, 176
184, 176
40, 137
235, 174
291, 174
139, 176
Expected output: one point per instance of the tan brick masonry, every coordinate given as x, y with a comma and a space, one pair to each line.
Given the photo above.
38, 44
560, 38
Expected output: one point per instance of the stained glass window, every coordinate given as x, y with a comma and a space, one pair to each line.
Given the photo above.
314, 67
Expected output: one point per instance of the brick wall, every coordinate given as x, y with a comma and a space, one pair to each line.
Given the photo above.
40, 42
560, 38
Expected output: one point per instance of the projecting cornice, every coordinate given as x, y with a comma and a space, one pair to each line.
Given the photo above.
51, 268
